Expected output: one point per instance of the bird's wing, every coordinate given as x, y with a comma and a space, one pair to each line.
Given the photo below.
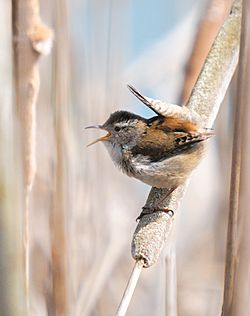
186, 141
167, 145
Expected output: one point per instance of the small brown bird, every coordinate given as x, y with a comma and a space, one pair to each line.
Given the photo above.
161, 151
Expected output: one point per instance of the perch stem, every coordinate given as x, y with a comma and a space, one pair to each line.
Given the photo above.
123, 306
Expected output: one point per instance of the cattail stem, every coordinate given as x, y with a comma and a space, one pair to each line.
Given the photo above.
207, 95
123, 306
212, 19
237, 256
31, 38
12, 283
58, 227
171, 282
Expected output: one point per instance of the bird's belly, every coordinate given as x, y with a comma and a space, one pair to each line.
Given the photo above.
158, 175
167, 173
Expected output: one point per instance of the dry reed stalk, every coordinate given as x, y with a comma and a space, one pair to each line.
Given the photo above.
210, 24
59, 253
206, 97
171, 282
12, 284
122, 309
236, 295
31, 39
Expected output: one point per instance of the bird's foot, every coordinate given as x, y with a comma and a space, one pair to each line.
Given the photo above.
147, 210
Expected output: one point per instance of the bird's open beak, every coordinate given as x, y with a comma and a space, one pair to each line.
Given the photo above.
105, 137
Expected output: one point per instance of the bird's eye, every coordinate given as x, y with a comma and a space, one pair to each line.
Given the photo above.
117, 128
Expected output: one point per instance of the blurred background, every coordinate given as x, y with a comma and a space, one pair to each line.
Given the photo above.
82, 209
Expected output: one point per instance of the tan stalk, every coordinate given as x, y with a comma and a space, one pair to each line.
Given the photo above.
59, 252
211, 21
206, 97
12, 283
236, 288
31, 38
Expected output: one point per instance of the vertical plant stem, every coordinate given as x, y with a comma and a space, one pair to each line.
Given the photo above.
28, 34
12, 293
123, 306
58, 215
209, 26
27, 86
171, 282
207, 95
236, 275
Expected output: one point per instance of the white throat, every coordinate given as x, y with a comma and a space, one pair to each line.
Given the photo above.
115, 152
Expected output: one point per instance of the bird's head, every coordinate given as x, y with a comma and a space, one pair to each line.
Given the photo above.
123, 129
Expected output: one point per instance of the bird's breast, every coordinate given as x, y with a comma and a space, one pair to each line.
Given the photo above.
121, 158
163, 173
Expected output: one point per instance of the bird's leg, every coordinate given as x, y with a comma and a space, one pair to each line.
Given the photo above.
146, 210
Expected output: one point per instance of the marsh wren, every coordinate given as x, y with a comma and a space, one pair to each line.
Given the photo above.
160, 151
